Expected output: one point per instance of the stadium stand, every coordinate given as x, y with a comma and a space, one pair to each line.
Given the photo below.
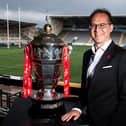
83, 36
28, 31
119, 38
77, 26
85, 39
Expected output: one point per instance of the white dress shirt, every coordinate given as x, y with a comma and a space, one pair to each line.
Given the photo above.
98, 54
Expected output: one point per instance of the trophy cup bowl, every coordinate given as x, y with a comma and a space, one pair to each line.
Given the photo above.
47, 58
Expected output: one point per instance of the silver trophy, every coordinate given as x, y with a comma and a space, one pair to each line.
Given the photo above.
47, 51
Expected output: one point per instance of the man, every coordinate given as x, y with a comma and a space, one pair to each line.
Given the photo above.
103, 89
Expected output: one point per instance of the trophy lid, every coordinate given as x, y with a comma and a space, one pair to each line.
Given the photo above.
47, 37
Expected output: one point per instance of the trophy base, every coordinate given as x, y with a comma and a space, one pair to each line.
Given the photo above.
46, 104
46, 112
47, 95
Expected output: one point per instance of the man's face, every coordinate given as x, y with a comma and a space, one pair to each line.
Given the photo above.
100, 28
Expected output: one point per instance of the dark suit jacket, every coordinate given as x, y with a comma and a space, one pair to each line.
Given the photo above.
106, 96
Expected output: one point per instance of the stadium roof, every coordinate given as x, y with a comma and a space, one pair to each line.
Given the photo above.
12, 24
117, 20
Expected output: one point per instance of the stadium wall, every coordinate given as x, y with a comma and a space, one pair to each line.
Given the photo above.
57, 25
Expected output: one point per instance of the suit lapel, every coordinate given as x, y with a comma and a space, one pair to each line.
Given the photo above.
105, 59
88, 56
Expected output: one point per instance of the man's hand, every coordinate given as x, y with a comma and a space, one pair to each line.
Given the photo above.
72, 114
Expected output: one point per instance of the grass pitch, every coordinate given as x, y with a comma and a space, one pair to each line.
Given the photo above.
12, 62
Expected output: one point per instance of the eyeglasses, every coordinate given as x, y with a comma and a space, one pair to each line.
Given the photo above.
101, 25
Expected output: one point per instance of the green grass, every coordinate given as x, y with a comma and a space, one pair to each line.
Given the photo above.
76, 63
12, 62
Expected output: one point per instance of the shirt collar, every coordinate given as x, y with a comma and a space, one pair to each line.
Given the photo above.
104, 47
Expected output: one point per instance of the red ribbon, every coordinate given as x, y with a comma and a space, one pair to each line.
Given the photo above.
66, 71
27, 79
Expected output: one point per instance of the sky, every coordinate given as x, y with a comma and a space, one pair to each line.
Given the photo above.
35, 10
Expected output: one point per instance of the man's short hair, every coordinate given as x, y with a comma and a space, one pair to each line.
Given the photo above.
105, 11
